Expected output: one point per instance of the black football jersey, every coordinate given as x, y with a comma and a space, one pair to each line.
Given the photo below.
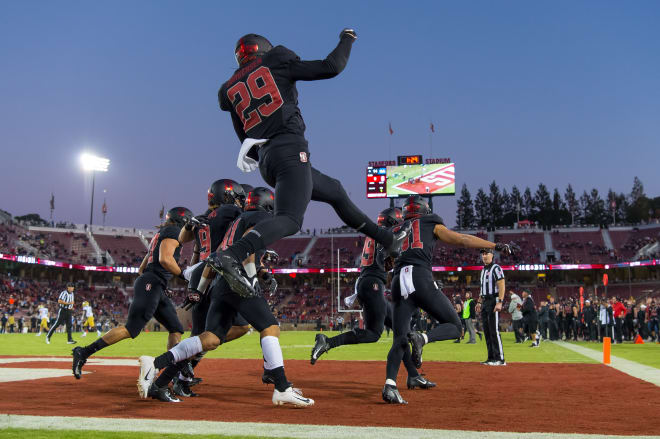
210, 236
418, 248
373, 260
153, 263
241, 224
262, 95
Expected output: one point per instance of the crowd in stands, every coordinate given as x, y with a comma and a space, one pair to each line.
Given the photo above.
21, 298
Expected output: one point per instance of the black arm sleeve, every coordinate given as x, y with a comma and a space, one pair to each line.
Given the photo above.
330, 67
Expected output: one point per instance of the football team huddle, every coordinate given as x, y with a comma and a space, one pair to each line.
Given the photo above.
231, 266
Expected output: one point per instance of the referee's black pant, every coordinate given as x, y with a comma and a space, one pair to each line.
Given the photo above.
63, 317
490, 318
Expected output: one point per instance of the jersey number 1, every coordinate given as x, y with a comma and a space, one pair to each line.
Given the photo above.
260, 83
416, 241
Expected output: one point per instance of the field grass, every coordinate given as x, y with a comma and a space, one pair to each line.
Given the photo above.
647, 353
296, 345
19, 433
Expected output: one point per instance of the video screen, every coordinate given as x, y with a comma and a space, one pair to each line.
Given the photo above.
376, 182
430, 179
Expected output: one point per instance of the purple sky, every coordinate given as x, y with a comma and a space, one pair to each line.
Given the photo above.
520, 92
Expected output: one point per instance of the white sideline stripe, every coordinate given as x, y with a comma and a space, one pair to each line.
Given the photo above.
270, 430
641, 371
9, 374
91, 361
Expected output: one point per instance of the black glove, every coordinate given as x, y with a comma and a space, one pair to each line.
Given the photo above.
192, 298
269, 283
169, 293
508, 249
348, 33
270, 257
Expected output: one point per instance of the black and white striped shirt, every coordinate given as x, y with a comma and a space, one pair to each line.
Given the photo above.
65, 296
490, 274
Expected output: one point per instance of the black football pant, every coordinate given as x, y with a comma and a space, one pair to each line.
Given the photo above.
517, 330
490, 318
63, 318
429, 298
284, 164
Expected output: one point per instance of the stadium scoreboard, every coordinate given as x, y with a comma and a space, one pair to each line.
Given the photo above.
409, 175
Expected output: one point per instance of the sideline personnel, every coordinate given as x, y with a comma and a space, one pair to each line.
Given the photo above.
492, 293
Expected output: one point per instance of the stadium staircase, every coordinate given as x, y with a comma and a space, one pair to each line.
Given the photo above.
99, 252
607, 239
27, 247
144, 240
308, 249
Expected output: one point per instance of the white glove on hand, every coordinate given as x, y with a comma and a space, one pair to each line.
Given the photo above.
245, 163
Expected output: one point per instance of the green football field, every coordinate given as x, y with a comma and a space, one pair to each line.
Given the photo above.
297, 345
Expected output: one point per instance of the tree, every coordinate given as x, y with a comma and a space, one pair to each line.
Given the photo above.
482, 214
560, 214
543, 204
516, 201
495, 204
640, 205
572, 204
594, 212
509, 209
637, 191
465, 209
528, 205
584, 207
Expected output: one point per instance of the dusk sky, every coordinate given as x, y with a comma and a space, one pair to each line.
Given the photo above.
520, 92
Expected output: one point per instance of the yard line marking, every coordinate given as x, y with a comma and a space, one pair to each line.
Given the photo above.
269, 430
632, 368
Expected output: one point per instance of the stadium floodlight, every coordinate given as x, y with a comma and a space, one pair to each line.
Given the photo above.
93, 163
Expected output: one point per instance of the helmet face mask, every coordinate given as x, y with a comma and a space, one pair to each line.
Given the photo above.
178, 215
260, 198
225, 191
249, 47
415, 207
390, 217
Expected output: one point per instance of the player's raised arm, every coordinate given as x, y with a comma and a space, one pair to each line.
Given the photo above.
331, 66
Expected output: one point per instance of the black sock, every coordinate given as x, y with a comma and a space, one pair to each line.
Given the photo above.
408, 363
246, 246
167, 375
94, 347
164, 360
281, 383
342, 339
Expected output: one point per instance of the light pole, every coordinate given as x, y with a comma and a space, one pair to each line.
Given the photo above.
93, 163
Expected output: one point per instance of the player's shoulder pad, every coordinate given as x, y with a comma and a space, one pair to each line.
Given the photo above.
170, 232
436, 219
282, 54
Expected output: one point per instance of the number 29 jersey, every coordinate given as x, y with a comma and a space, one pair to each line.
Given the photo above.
209, 236
418, 249
262, 96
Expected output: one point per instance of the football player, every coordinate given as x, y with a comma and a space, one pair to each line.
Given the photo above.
88, 319
370, 291
43, 318
413, 287
224, 306
150, 298
263, 101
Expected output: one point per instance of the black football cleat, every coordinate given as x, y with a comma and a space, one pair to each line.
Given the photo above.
419, 382
182, 388
391, 395
395, 248
417, 343
194, 381
321, 346
187, 370
232, 270
162, 394
79, 361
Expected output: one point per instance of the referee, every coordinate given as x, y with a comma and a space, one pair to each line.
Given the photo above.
65, 301
492, 294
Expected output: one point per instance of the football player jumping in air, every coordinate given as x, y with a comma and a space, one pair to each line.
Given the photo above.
263, 101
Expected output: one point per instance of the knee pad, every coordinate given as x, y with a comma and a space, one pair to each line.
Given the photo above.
366, 335
336, 190
401, 340
289, 224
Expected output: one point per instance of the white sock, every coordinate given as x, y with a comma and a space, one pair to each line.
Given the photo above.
189, 347
203, 283
390, 382
270, 347
426, 337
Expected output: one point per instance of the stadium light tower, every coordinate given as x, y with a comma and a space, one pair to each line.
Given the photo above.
94, 164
